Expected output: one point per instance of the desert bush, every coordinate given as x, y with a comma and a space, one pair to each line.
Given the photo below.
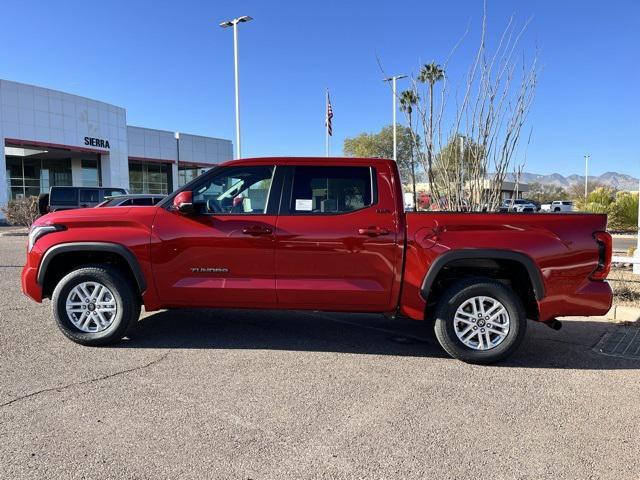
623, 212
593, 207
624, 293
21, 212
598, 201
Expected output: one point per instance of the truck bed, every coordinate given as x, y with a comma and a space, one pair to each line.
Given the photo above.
561, 245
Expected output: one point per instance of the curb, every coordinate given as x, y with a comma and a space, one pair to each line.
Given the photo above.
14, 232
624, 235
621, 313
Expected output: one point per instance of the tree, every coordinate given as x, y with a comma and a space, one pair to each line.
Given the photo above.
380, 145
489, 110
576, 190
408, 99
430, 73
452, 166
546, 193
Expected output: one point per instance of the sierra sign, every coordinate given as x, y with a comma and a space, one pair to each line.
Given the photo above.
96, 142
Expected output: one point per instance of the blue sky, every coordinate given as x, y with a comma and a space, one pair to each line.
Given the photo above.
171, 67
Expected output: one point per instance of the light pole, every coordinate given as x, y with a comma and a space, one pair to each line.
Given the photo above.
234, 23
393, 89
586, 176
636, 266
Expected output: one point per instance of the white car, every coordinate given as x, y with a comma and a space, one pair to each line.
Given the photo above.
408, 202
558, 206
519, 205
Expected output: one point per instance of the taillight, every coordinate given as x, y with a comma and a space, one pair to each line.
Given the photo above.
605, 247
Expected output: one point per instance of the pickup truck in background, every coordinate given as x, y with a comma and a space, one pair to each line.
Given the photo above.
557, 206
318, 234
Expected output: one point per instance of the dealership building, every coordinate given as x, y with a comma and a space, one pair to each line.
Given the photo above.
54, 138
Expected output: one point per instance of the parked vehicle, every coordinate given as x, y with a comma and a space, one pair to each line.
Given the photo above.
318, 234
409, 204
67, 198
535, 203
132, 200
558, 206
519, 205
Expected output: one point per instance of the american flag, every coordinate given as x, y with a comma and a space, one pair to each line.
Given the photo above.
329, 116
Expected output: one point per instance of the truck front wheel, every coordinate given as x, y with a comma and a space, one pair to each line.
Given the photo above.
480, 320
95, 305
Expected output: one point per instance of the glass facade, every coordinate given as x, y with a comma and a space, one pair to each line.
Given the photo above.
149, 177
31, 176
188, 173
91, 175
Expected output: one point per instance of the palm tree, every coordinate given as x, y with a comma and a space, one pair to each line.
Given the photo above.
430, 73
408, 99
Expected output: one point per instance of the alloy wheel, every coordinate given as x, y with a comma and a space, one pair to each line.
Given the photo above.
91, 307
481, 323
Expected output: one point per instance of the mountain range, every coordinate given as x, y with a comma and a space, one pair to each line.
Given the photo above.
619, 181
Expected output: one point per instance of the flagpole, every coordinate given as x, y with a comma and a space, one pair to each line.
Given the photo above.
326, 122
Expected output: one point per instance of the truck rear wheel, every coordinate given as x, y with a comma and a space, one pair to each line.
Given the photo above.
95, 305
480, 320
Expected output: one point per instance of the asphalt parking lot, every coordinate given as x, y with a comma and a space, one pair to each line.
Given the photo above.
269, 395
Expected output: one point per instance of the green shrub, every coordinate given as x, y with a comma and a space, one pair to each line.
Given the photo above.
21, 212
621, 207
594, 207
623, 212
598, 200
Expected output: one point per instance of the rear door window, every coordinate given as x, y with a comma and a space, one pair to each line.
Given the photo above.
112, 192
142, 201
63, 196
332, 190
89, 195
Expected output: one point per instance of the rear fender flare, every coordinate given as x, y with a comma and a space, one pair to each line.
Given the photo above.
535, 276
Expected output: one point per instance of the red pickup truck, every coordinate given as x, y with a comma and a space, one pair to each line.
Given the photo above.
318, 234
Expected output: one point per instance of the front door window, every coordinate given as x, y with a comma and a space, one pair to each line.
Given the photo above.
235, 191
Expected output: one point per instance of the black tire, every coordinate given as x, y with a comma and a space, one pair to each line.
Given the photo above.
468, 288
127, 302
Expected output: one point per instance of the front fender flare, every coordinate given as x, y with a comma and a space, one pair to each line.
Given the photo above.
115, 248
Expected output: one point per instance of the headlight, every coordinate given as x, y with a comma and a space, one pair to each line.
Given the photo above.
36, 232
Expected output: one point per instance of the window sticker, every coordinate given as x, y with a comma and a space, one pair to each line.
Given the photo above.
303, 205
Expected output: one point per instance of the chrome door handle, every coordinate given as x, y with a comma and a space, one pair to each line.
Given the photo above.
257, 231
373, 231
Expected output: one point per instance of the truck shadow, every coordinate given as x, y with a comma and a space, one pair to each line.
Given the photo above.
366, 334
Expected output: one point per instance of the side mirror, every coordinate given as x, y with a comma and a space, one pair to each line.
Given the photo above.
183, 202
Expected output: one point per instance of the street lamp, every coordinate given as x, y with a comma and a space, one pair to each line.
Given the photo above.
393, 88
234, 23
586, 175
636, 266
